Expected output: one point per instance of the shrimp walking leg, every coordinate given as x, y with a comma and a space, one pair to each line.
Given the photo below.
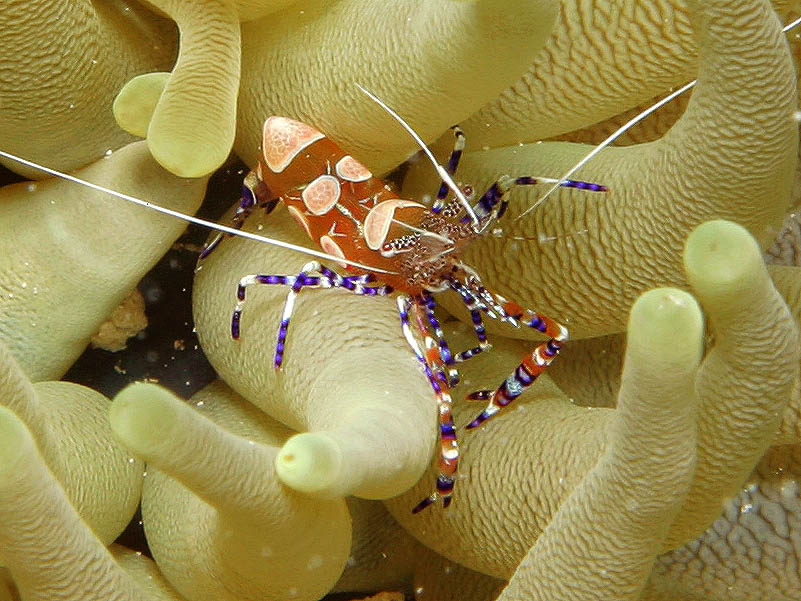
433, 362
533, 364
327, 278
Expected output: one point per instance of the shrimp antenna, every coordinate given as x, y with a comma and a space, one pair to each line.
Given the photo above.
185, 217
441, 171
612, 137
623, 129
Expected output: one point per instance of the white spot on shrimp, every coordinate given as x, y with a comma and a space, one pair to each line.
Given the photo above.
283, 139
321, 195
379, 219
352, 170
300, 218
332, 248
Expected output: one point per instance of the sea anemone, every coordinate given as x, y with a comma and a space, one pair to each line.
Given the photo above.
698, 436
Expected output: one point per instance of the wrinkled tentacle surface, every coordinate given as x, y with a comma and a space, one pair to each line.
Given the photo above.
354, 391
63, 63
50, 250
456, 41
601, 251
724, 260
251, 537
339, 385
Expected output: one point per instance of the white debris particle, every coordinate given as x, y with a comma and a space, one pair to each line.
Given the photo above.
315, 561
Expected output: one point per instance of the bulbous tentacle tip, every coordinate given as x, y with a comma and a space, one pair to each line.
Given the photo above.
722, 258
142, 417
135, 103
666, 324
311, 463
16, 442
185, 155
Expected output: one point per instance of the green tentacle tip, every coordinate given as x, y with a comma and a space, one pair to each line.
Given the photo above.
185, 155
667, 324
309, 462
143, 416
135, 103
722, 257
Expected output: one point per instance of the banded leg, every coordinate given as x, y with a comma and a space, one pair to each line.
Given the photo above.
474, 306
430, 305
328, 278
453, 165
490, 303
254, 194
533, 364
405, 303
493, 204
434, 364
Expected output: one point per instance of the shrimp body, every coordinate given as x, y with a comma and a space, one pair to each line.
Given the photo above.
352, 214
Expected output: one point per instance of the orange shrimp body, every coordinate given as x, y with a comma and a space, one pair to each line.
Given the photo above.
352, 214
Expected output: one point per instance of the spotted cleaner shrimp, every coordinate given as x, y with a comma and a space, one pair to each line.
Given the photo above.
359, 220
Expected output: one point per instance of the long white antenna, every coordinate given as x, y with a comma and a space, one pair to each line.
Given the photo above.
186, 217
612, 137
623, 129
441, 171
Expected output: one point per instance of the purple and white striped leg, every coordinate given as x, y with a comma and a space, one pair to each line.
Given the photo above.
328, 278
475, 306
405, 302
432, 362
453, 164
493, 204
532, 366
430, 306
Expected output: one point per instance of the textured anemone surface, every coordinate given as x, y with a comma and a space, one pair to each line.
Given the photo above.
660, 461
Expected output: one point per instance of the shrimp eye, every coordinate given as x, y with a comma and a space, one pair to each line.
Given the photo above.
468, 190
